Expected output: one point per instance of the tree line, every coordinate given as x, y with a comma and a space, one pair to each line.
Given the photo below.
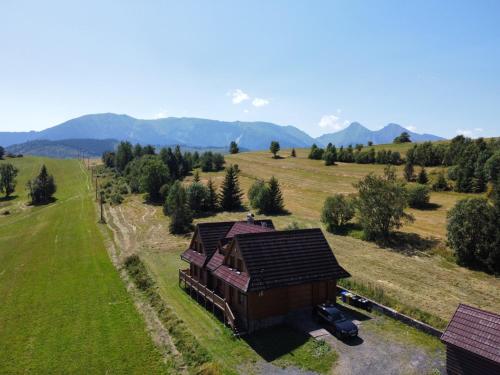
356, 154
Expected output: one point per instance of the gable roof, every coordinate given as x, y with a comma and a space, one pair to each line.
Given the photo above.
244, 227
283, 258
211, 233
476, 331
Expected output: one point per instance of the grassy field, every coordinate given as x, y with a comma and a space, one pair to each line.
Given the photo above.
143, 229
412, 273
64, 308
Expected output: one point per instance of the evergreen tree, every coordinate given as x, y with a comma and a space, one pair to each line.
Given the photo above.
8, 175
293, 154
409, 171
137, 151
233, 148
2, 152
404, 137
276, 204
124, 155
148, 150
211, 196
274, 148
441, 184
197, 195
230, 195
42, 188
422, 177
329, 158
316, 153
196, 176
176, 207
108, 158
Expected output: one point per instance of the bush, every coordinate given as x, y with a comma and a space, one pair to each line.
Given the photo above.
418, 195
337, 212
473, 234
380, 205
440, 184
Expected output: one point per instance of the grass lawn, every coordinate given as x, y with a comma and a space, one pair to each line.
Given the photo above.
64, 308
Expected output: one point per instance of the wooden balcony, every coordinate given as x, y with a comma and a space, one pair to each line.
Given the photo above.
208, 296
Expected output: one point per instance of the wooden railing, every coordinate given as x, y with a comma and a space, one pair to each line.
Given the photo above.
208, 296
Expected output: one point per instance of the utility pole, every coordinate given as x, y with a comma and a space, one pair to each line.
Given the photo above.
102, 204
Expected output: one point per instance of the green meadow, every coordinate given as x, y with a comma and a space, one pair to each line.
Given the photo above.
63, 306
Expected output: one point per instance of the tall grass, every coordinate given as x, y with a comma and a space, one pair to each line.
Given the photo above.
194, 355
377, 294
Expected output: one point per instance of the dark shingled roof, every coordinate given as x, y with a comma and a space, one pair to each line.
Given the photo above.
194, 257
211, 233
283, 258
240, 228
476, 331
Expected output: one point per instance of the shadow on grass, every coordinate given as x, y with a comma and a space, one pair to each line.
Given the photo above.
428, 207
51, 200
409, 243
9, 198
273, 343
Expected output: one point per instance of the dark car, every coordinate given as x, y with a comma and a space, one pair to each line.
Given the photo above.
336, 321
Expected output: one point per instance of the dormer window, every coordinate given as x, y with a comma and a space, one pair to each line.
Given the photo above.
231, 261
239, 265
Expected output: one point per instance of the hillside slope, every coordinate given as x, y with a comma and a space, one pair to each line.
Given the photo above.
168, 131
64, 308
65, 148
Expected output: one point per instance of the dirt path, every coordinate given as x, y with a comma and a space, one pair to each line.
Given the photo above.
119, 247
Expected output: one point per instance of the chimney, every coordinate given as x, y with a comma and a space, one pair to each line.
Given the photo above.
250, 219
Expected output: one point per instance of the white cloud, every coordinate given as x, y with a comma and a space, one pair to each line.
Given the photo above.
161, 114
473, 133
332, 122
260, 102
238, 96
246, 111
411, 128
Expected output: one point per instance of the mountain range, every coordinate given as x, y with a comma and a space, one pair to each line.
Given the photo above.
201, 133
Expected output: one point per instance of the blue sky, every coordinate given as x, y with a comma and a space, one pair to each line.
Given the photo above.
432, 66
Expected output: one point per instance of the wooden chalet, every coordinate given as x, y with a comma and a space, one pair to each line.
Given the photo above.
472, 341
256, 275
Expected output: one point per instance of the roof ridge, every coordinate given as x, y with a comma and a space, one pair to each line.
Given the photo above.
277, 232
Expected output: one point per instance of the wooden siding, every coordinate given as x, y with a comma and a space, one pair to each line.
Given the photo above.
462, 362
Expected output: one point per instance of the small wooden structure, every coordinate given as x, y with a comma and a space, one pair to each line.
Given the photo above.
256, 276
472, 341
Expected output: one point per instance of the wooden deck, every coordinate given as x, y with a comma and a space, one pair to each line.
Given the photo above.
208, 296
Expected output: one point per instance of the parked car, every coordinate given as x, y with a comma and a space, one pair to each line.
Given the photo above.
336, 322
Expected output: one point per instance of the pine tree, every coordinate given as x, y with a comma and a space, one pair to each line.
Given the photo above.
176, 207
422, 177
293, 154
274, 148
42, 188
230, 195
211, 196
276, 204
233, 148
8, 175
196, 176
409, 171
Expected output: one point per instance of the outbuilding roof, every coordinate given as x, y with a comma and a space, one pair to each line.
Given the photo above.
475, 330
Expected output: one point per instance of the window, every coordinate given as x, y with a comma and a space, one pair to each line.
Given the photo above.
239, 265
231, 262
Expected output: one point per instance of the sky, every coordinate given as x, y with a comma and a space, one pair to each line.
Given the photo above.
431, 66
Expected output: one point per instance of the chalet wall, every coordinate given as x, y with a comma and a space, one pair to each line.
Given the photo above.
281, 301
462, 362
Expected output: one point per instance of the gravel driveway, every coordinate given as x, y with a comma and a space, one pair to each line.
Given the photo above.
376, 351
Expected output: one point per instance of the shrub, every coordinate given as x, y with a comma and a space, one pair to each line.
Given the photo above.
440, 184
337, 212
473, 234
418, 195
380, 205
